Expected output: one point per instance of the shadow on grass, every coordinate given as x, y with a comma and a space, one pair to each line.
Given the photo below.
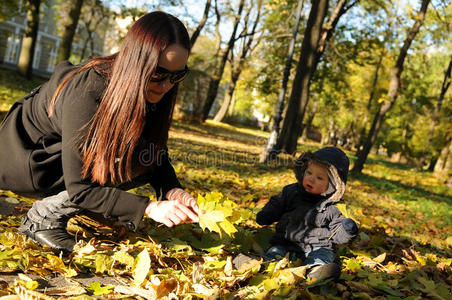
221, 132
389, 164
221, 156
410, 193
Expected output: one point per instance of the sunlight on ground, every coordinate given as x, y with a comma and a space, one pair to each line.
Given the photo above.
404, 246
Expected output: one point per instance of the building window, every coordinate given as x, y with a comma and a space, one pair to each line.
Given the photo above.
12, 49
52, 59
37, 55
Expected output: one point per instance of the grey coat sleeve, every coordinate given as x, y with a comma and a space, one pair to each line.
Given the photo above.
342, 229
78, 107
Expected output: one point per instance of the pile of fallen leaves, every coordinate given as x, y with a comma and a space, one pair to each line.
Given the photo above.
182, 262
194, 261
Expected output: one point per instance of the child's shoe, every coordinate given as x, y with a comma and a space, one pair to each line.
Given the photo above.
323, 272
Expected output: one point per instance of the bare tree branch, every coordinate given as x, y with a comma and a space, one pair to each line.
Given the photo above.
201, 24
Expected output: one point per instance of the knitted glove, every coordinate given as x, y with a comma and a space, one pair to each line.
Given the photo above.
350, 226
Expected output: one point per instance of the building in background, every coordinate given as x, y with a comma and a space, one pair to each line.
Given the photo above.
48, 41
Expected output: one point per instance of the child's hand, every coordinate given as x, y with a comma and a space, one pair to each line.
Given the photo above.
184, 198
170, 212
350, 226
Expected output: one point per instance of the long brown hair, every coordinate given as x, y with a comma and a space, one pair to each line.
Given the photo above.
118, 123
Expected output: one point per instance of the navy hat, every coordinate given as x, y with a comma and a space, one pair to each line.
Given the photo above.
327, 156
335, 157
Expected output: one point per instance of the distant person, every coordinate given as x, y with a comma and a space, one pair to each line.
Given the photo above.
309, 223
97, 129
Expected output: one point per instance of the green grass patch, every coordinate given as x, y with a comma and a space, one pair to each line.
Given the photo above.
13, 86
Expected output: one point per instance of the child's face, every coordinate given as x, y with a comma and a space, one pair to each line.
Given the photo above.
315, 179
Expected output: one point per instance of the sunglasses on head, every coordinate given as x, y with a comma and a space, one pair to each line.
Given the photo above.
162, 74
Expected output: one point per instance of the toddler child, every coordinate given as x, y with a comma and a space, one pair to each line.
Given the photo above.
309, 223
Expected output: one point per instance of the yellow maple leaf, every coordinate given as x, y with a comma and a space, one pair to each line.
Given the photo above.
210, 219
217, 213
142, 267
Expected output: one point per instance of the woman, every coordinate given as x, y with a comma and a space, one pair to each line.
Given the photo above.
93, 131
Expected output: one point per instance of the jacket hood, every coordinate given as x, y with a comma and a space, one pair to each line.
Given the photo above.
337, 164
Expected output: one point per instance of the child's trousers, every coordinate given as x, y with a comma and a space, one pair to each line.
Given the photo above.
315, 257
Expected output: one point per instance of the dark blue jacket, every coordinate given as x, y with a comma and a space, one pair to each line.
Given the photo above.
307, 221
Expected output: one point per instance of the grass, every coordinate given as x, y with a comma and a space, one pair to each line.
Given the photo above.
384, 189
13, 86
403, 251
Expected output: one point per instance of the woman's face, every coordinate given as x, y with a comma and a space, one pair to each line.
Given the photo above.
173, 58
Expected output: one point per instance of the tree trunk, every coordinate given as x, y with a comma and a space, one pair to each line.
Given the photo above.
270, 149
201, 24
443, 166
85, 43
328, 30
317, 40
362, 135
305, 129
374, 82
442, 159
236, 67
432, 164
227, 100
435, 114
216, 78
300, 88
393, 90
64, 52
27, 49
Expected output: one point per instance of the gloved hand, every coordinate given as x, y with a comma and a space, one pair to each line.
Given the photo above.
350, 226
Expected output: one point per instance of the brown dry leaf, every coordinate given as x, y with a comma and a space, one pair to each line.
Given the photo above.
196, 274
449, 280
341, 288
70, 290
10, 297
361, 287
380, 258
368, 261
442, 266
83, 248
293, 275
165, 287
3, 284
23, 293
252, 263
282, 263
73, 228
132, 291
408, 255
228, 267
236, 278
161, 262
204, 290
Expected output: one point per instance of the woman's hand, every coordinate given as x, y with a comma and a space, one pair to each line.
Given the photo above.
180, 207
